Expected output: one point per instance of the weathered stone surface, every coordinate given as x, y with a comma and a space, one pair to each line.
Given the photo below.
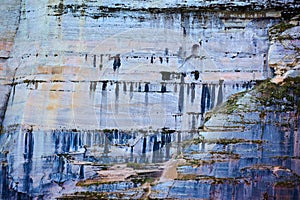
239, 113
149, 110
66, 71
284, 49
9, 15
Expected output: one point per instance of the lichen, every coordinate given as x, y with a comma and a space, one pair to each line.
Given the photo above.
282, 96
279, 28
286, 184
109, 130
85, 195
275, 31
211, 179
227, 154
231, 104
135, 165
226, 141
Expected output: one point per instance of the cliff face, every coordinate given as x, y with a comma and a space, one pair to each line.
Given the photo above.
91, 131
284, 49
244, 109
269, 112
10, 17
63, 55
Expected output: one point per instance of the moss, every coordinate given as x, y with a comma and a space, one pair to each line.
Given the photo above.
286, 184
184, 177
226, 141
90, 182
12, 128
282, 96
229, 154
109, 130
208, 115
142, 180
286, 157
284, 37
211, 179
276, 30
197, 163
279, 28
85, 195
231, 105
199, 140
135, 165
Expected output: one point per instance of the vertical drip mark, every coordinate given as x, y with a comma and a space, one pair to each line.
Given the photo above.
124, 87
155, 156
27, 166
192, 92
146, 87
146, 99
117, 91
29, 143
205, 98
103, 108
131, 90
181, 95
101, 62
94, 61
106, 143
104, 85
175, 87
93, 87
220, 93
4, 179
117, 98
13, 94
193, 122
213, 96
163, 88
81, 172
144, 145
208, 98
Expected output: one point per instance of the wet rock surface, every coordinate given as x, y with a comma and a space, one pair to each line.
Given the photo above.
152, 99
67, 69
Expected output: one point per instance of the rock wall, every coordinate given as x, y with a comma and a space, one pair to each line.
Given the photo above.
10, 16
243, 110
64, 52
175, 66
284, 49
187, 4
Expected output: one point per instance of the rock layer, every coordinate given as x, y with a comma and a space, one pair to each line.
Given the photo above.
66, 71
284, 49
10, 17
134, 132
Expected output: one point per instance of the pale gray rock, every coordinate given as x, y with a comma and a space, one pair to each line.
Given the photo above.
63, 55
284, 49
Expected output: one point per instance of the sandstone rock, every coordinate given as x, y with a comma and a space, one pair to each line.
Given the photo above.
284, 50
63, 62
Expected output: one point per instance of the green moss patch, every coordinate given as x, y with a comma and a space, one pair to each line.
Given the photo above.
226, 141
231, 105
279, 28
282, 95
